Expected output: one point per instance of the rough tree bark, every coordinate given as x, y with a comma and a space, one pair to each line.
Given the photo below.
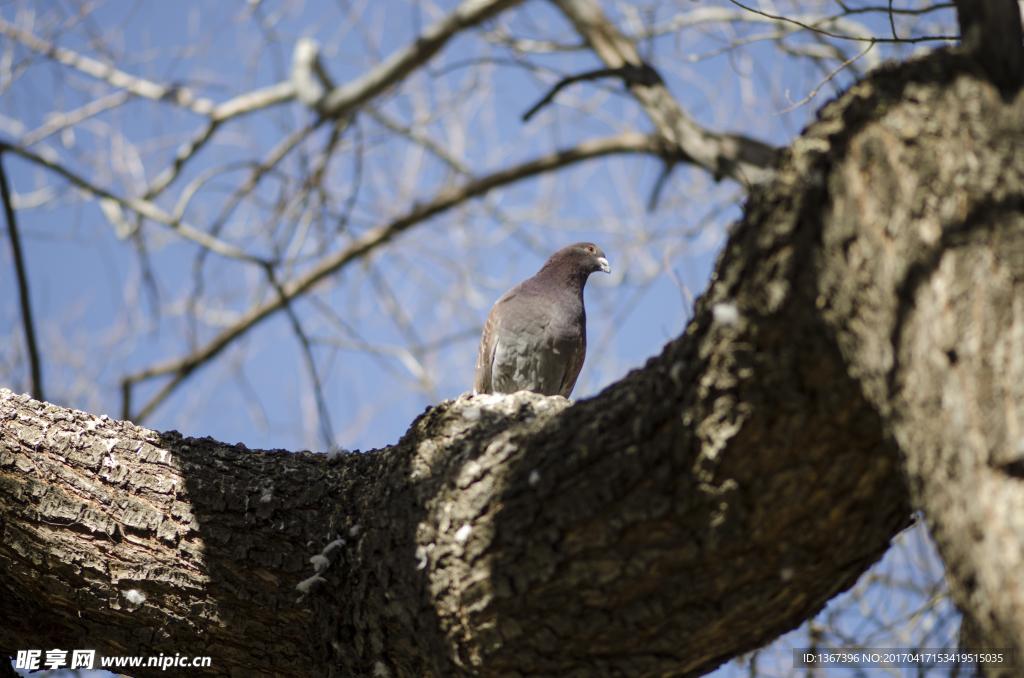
872, 296
950, 268
939, 344
991, 34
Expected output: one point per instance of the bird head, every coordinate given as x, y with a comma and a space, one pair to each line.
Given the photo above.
585, 257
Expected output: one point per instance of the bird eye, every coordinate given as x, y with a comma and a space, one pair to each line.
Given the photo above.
590, 249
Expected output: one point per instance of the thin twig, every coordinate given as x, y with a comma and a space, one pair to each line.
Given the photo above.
421, 138
712, 15
142, 207
65, 120
644, 74
840, 36
824, 82
666, 171
26, 306
406, 327
377, 351
326, 430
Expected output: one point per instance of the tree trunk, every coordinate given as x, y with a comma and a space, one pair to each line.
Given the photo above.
991, 34
937, 185
693, 511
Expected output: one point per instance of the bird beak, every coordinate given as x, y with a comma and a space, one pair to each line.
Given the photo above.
604, 265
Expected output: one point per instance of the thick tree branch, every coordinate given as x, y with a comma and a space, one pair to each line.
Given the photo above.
695, 510
927, 206
991, 33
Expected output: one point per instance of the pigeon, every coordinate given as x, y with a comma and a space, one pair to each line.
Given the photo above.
535, 337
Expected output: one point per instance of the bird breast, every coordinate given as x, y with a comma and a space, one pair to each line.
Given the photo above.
539, 349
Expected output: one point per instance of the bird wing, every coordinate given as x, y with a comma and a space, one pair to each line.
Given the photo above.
485, 356
502, 326
573, 365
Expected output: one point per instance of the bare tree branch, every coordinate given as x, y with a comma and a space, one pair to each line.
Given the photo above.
422, 139
630, 74
182, 96
71, 118
737, 157
344, 99
725, 15
828, 79
141, 206
812, 26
